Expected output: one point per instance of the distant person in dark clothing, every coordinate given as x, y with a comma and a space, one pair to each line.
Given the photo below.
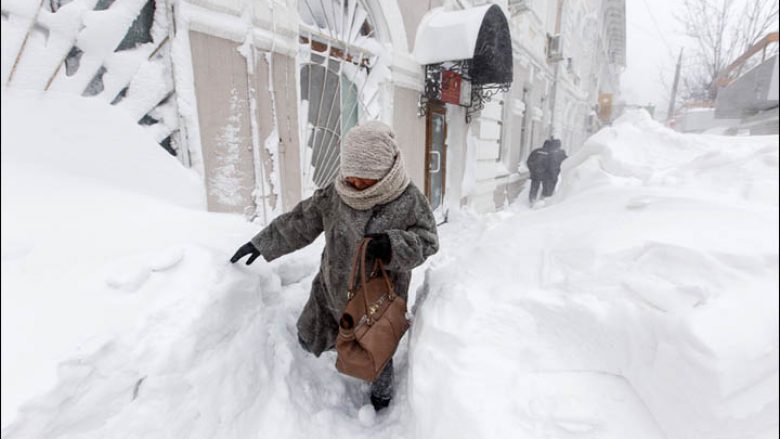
556, 156
545, 164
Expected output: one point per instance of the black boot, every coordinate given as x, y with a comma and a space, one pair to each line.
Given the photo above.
382, 388
380, 403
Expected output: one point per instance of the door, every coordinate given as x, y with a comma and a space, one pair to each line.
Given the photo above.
436, 152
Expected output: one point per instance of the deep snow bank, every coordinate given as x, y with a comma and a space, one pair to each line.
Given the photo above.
639, 151
121, 315
654, 270
92, 211
87, 139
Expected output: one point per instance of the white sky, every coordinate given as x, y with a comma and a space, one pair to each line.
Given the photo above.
653, 41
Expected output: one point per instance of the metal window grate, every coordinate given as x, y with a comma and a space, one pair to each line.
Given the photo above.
338, 46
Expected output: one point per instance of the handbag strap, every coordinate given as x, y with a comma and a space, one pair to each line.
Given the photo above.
359, 267
379, 264
353, 276
358, 263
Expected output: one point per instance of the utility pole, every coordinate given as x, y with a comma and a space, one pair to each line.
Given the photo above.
670, 113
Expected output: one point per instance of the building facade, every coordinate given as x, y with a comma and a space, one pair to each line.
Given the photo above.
258, 94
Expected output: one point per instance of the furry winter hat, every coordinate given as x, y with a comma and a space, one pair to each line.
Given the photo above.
368, 151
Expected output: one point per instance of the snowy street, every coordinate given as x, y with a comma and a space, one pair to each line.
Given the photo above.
640, 301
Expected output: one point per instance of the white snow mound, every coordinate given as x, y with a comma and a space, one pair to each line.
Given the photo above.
642, 302
87, 139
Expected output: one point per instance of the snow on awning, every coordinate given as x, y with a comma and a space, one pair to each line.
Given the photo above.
478, 34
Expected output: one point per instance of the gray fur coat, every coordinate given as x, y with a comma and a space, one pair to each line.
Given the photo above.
407, 220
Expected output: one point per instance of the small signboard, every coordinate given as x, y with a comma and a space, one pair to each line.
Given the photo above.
454, 89
450, 87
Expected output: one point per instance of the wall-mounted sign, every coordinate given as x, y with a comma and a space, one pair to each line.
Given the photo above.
450, 87
455, 89
479, 63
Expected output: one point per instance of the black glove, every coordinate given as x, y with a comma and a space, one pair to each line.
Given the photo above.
379, 247
246, 249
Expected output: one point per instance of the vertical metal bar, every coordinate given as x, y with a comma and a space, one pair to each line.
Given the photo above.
24, 43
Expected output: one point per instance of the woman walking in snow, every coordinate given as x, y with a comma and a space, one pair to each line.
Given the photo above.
372, 197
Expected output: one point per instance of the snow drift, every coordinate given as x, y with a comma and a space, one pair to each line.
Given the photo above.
654, 269
640, 302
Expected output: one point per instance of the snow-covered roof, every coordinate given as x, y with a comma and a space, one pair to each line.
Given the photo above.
448, 36
478, 34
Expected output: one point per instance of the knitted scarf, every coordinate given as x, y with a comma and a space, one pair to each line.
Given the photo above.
390, 187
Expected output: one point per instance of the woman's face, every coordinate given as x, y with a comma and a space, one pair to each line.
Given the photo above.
360, 183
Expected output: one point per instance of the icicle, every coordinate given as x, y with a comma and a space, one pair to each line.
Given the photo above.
272, 142
247, 50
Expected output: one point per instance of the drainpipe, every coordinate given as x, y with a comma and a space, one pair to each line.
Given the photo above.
554, 90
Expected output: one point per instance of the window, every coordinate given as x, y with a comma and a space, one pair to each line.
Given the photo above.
338, 58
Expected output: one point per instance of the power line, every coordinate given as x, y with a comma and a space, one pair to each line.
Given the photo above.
635, 25
658, 28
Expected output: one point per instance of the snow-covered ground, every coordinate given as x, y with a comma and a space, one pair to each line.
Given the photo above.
640, 302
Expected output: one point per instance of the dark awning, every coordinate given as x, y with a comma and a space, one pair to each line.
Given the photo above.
479, 35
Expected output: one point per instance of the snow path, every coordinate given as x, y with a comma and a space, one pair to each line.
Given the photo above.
640, 302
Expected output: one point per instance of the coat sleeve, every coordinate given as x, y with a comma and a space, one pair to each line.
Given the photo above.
293, 230
411, 247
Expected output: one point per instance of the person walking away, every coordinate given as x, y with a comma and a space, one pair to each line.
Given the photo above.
372, 197
537, 163
555, 156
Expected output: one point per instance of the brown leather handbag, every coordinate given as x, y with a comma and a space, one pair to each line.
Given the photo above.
372, 323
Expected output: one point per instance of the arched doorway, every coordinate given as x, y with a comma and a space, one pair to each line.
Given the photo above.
342, 67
